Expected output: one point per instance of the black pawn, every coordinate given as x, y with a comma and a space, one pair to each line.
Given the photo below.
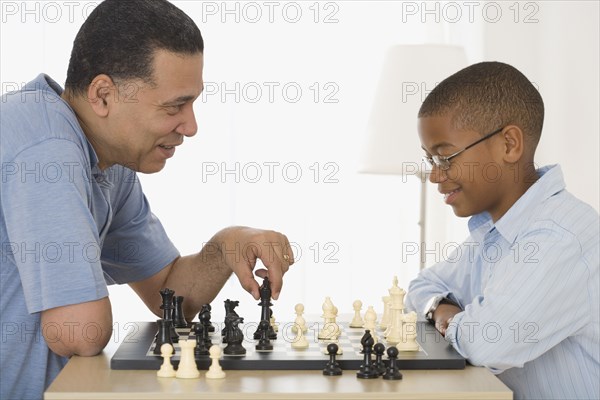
163, 336
379, 366
367, 369
200, 349
207, 307
178, 317
205, 322
332, 368
392, 373
264, 343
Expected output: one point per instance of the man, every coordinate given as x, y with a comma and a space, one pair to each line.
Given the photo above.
73, 214
521, 295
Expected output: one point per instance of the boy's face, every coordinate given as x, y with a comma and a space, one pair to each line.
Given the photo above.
474, 181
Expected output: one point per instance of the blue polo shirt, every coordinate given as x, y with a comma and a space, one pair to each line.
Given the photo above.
67, 230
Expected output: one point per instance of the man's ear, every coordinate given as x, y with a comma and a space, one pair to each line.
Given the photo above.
514, 143
100, 94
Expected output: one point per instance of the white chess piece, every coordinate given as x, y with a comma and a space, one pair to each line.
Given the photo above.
299, 308
166, 369
371, 322
187, 365
329, 320
215, 371
274, 324
395, 331
385, 318
409, 333
357, 321
300, 341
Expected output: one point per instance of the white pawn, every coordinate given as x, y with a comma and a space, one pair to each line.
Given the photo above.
371, 321
300, 341
357, 321
299, 319
187, 365
215, 371
166, 369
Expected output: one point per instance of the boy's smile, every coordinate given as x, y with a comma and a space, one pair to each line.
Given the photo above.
474, 181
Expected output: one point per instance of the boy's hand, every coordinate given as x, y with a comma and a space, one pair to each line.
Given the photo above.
442, 316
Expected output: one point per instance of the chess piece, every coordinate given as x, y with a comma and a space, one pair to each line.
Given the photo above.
234, 336
273, 323
230, 306
332, 368
164, 335
167, 307
394, 333
385, 318
200, 349
357, 321
265, 314
367, 370
409, 333
300, 321
371, 321
166, 369
331, 330
379, 365
205, 322
187, 365
392, 372
208, 308
264, 344
215, 371
300, 341
177, 316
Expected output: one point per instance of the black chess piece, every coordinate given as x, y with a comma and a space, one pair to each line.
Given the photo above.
201, 349
234, 336
163, 335
265, 313
264, 343
207, 307
177, 316
367, 370
332, 368
230, 306
379, 365
205, 322
392, 372
167, 307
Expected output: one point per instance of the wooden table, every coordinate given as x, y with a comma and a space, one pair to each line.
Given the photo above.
92, 378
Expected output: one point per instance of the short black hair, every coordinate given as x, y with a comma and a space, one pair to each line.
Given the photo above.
120, 37
488, 96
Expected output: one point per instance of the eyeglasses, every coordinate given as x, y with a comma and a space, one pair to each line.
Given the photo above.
443, 162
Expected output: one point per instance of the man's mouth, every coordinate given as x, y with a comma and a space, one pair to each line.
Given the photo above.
450, 196
166, 147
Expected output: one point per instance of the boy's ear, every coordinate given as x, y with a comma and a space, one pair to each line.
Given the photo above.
99, 94
514, 143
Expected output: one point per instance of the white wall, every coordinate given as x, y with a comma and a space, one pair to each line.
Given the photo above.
357, 222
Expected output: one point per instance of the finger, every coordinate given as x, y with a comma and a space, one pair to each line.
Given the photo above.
261, 273
248, 282
276, 278
287, 251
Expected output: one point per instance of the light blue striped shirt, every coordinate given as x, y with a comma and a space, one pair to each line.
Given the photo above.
528, 286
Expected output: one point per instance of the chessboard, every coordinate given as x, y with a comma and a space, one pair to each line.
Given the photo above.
137, 350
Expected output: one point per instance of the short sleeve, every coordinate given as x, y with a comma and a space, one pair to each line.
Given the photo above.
52, 234
136, 245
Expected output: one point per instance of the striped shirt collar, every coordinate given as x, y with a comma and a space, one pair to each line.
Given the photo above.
509, 225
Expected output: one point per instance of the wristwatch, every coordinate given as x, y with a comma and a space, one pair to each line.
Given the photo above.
433, 304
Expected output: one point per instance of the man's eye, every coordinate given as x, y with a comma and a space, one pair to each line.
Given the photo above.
174, 109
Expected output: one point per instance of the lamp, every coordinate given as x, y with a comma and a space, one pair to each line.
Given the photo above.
409, 73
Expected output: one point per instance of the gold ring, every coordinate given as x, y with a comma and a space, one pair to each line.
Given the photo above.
286, 257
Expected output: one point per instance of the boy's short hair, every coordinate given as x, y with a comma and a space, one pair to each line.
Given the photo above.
488, 96
120, 37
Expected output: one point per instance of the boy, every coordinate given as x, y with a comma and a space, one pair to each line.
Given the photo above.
520, 295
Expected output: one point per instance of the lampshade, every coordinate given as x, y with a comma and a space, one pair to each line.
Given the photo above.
409, 73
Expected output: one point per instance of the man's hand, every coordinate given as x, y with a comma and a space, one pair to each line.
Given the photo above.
199, 277
241, 247
442, 316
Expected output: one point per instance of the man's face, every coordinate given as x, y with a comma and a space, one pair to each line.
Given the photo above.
474, 182
148, 121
